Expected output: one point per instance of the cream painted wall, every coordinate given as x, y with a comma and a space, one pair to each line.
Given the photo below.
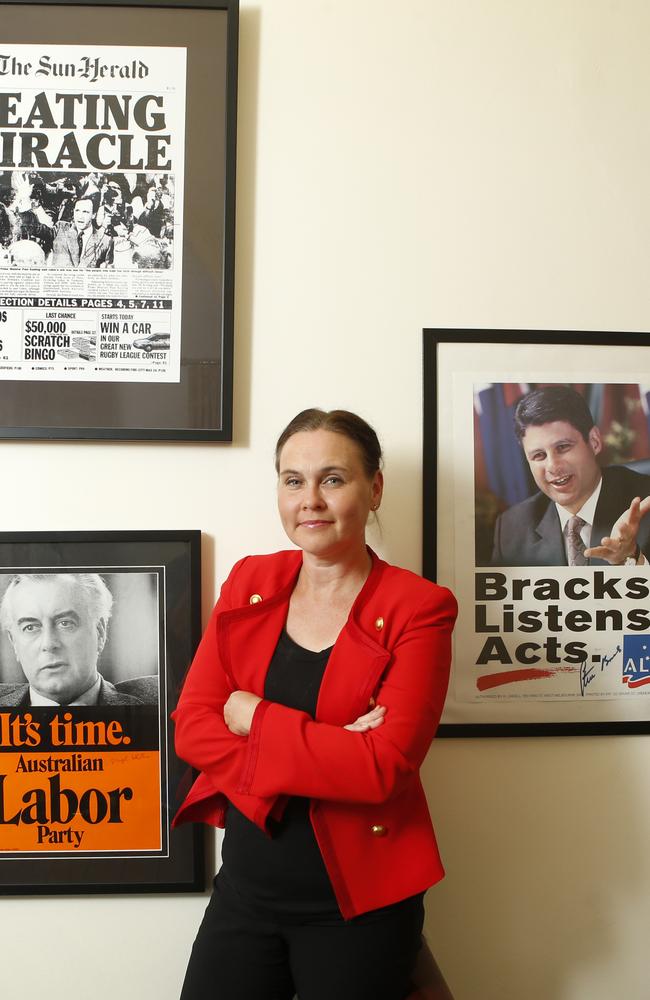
429, 162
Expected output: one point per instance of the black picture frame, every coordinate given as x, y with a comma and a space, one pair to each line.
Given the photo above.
197, 407
464, 372
88, 791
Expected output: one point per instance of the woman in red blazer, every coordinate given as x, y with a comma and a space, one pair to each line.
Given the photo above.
309, 708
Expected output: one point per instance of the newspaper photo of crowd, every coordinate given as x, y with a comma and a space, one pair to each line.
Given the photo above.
94, 220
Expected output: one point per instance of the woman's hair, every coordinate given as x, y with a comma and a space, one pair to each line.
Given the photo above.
342, 422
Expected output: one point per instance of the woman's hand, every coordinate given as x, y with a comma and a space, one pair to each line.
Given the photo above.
371, 720
238, 712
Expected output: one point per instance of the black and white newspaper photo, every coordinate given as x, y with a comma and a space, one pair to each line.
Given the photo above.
92, 140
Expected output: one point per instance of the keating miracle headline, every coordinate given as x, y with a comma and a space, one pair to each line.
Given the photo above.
100, 131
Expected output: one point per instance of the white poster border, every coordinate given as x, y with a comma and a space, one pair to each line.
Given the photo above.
459, 362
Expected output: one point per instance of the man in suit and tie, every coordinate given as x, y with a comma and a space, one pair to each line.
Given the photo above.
57, 624
81, 243
583, 515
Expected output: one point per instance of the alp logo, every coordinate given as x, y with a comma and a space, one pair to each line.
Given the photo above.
636, 660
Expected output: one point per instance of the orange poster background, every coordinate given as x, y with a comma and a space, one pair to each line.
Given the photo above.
140, 826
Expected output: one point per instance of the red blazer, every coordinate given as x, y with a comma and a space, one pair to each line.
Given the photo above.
368, 809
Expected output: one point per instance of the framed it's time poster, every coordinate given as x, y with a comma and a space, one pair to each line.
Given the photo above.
117, 209
537, 515
96, 633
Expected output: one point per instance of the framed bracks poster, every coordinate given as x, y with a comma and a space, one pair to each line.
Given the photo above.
117, 214
537, 470
97, 631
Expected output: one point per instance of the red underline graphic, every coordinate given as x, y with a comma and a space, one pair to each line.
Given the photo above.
638, 683
510, 676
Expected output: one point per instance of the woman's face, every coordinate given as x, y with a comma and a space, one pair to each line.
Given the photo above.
324, 493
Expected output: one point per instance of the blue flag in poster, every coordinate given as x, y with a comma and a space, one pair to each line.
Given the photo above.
505, 464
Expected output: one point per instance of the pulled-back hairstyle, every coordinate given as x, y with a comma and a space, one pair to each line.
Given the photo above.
342, 422
550, 403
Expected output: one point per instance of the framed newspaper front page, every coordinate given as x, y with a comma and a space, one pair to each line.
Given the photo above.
117, 208
96, 633
537, 515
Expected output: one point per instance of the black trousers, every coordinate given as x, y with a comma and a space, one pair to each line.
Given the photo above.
244, 953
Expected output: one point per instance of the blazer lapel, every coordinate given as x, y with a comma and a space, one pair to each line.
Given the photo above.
610, 506
73, 245
108, 694
548, 547
352, 674
14, 695
247, 638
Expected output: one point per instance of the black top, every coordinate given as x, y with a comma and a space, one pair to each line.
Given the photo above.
283, 871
